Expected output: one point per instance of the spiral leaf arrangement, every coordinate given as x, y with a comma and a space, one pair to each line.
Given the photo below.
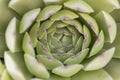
59, 40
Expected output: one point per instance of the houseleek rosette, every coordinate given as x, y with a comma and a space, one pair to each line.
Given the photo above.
59, 40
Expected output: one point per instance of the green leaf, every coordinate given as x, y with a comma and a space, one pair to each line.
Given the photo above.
15, 65
67, 71
79, 6
76, 24
49, 61
54, 77
52, 2
77, 58
99, 61
1, 67
106, 5
28, 19
42, 49
34, 33
92, 75
35, 67
115, 14
98, 45
48, 11
64, 15
108, 25
87, 37
44, 26
115, 43
90, 21
12, 37
113, 68
27, 45
62, 56
5, 75
23, 6
9, 14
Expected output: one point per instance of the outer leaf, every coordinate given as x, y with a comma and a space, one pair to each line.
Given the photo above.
79, 6
1, 67
49, 2
48, 12
28, 19
67, 71
36, 68
108, 25
9, 14
54, 77
99, 61
49, 61
3, 45
16, 66
92, 75
113, 69
109, 5
23, 6
13, 39
115, 43
116, 14
5, 75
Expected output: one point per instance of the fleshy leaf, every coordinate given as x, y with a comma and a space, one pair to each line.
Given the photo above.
113, 69
44, 26
115, 43
48, 12
34, 34
108, 25
90, 21
62, 57
79, 5
67, 71
36, 79
106, 5
77, 58
9, 14
52, 2
115, 14
92, 75
42, 49
64, 15
78, 46
76, 24
99, 61
16, 66
87, 37
98, 45
1, 67
35, 67
23, 6
28, 19
54, 77
49, 61
5, 75
27, 45
12, 36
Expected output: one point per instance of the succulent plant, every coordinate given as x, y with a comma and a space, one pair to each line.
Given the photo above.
59, 40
